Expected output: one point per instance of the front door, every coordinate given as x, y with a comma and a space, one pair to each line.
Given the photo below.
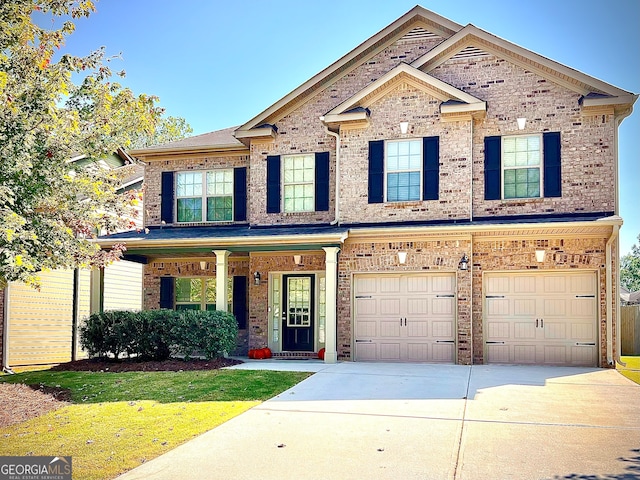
297, 313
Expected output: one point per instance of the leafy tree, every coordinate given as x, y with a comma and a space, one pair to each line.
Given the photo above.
168, 129
54, 106
630, 269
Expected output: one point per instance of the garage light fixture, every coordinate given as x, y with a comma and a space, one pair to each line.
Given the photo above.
540, 254
464, 262
256, 278
402, 257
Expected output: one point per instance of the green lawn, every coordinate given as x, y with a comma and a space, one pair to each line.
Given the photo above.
120, 420
632, 369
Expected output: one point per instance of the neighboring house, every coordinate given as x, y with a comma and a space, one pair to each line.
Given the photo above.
40, 327
438, 194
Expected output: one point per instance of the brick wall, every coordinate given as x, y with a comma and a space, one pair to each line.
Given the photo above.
422, 112
153, 177
424, 255
587, 141
567, 254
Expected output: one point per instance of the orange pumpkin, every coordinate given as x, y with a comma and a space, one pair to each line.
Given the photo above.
252, 353
321, 354
267, 352
258, 354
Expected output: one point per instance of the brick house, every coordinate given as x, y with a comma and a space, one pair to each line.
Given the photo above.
438, 194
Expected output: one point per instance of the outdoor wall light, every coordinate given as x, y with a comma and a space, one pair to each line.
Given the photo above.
203, 265
464, 262
256, 278
521, 122
402, 257
297, 259
540, 254
404, 127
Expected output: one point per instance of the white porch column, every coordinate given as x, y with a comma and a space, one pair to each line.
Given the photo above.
222, 275
331, 272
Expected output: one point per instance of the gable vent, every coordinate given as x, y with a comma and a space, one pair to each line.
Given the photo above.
470, 52
418, 33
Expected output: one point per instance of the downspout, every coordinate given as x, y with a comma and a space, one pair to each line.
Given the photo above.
336, 219
609, 295
5, 333
74, 314
471, 174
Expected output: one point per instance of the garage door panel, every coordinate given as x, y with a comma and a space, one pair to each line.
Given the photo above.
442, 330
367, 351
524, 285
524, 307
524, 354
390, 351
524, 330
541, 318
417, 306
442, 352
443, 306
405, 316
498, 330
390, 306
497, 307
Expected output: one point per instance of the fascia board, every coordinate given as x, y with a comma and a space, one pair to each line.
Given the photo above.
450, 28
345, 117
255, 133
150, 152
464, 108
604, 101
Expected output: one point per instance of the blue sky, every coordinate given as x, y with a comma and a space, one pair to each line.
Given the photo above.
218, 63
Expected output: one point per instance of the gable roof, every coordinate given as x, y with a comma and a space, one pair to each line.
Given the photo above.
454, 100
463, 42
218, 140
472, 36
417, 17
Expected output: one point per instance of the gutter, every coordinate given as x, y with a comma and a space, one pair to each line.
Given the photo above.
336, 215
609, 296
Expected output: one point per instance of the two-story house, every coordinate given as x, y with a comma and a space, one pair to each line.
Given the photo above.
438, 194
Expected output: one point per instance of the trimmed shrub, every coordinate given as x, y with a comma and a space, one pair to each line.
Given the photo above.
156, 334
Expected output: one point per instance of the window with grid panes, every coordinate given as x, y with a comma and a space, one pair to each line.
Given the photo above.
204, 196
299, 176
403, 170
199, 293
521, 166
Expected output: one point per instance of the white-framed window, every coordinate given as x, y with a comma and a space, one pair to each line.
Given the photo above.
205, 196
403, 170
299, 183
199, 293
522, 166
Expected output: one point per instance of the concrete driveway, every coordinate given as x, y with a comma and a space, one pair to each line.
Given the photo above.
423, 421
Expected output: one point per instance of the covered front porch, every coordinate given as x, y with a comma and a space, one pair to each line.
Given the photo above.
280, 283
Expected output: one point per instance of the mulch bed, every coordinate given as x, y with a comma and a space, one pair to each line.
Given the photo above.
133, 365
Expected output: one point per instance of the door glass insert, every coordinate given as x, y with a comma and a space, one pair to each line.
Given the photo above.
299, 302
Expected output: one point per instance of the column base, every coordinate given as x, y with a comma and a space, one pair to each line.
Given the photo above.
331, 357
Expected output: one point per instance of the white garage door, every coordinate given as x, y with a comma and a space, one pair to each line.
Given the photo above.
541, 318
404, 317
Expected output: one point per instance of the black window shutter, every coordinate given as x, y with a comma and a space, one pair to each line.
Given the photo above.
166, 198
166, 292
492, 168
240, 300
552, 168
240, 194
376, 171
273, 184
322, 182
430, 168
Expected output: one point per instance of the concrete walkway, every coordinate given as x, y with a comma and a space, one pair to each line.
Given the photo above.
423, 421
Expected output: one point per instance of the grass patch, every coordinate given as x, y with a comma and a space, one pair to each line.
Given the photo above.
164, 387
108, 439
632, 370
121, 420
